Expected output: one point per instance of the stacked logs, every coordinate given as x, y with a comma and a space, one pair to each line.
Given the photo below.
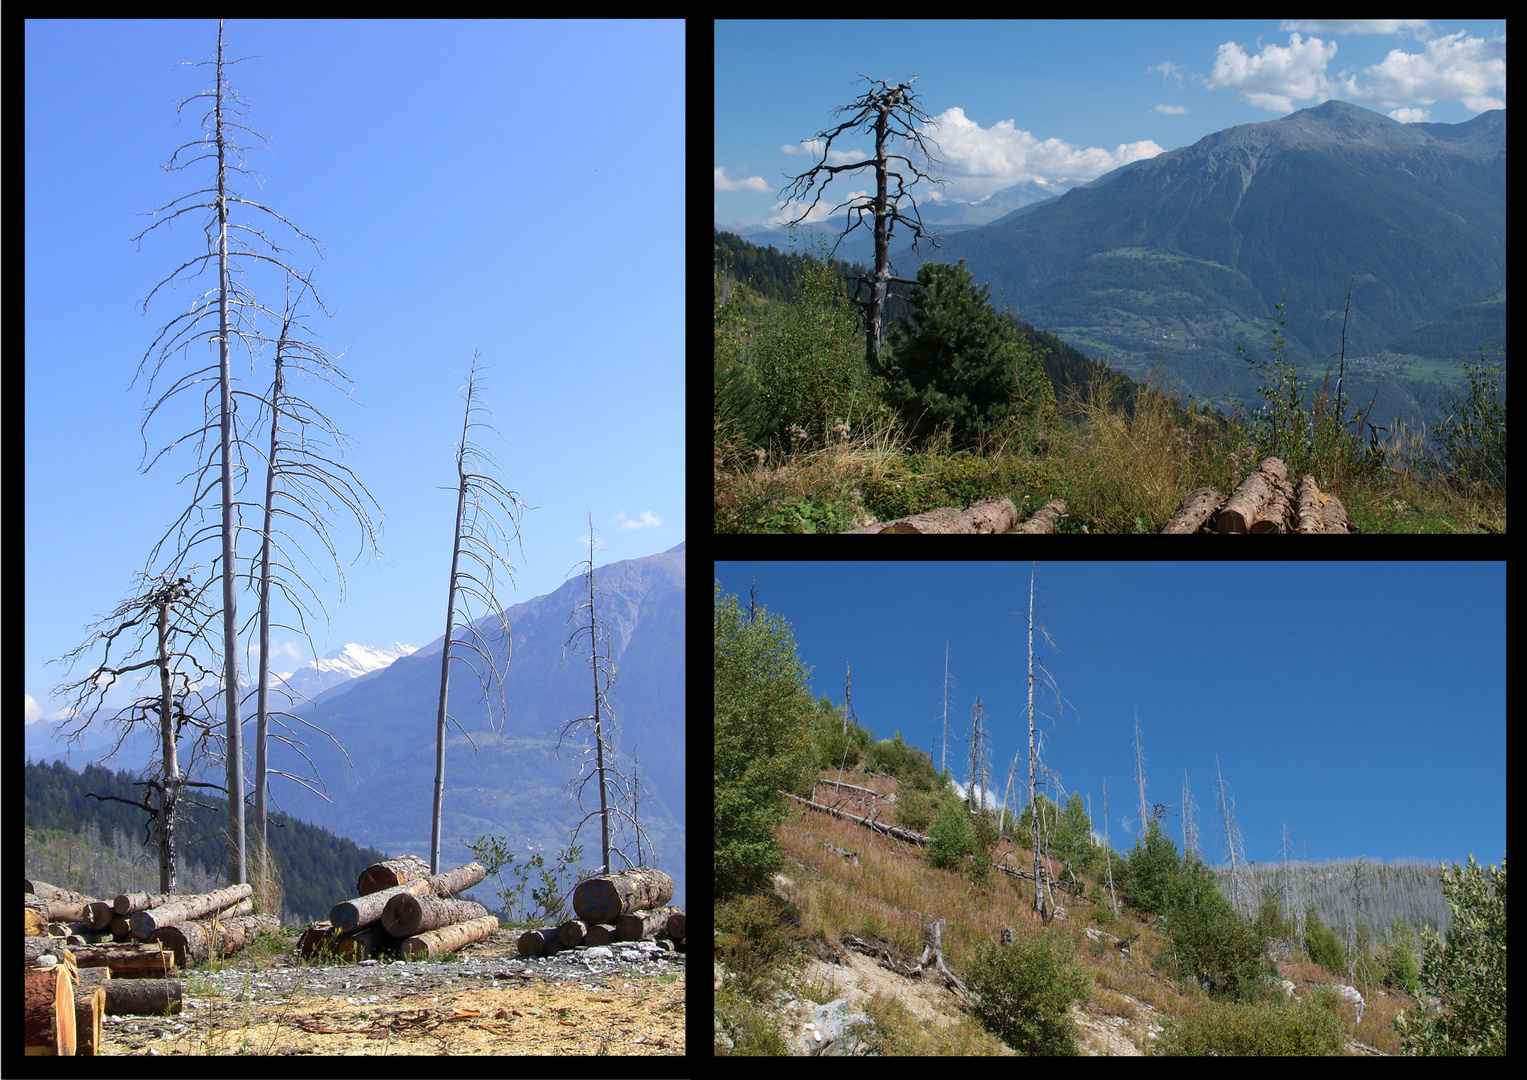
401, 908
121, 956
629, 905
1264, 503
986, 516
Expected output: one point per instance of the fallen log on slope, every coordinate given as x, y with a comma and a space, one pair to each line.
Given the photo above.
888, 830
1255, 502
986, 516
429, 945
605, 898
144, 923
406, 914
1044, 518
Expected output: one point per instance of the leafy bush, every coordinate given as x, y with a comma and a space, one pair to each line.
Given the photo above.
1209, 937
1306, 1029
953, 837
1026, 990
1322, 945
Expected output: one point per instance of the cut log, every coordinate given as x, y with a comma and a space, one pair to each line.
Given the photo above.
43, 891
609, 896
391, 874
49, 1007
129, 959
36, 948
642, 924
37, 922
127, 903
406, 914
1253, 499
600, 934
571, 932
542, 942
1197, 507
986, 516
429, 945
676, 926
196, 942
364, 944
89, 1007
189, 907
1044, 518
361, 911
133, 997
98, 914
454, 881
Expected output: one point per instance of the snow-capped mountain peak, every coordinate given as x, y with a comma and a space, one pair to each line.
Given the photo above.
341, 665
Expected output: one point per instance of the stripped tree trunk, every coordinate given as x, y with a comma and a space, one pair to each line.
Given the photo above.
607, 897
454, 881
127, 903
449, 938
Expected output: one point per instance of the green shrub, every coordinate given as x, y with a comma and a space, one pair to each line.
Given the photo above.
1026, 990
1226, 1028
953, 837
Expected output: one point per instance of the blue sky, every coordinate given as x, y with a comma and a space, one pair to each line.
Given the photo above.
1061, 100
513, 188
1362, 705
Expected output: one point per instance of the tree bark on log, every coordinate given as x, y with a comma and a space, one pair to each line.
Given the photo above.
1197, 507
429, 945
361, 911
605, 898
144, 923
571, 932
134, 997
127, 903
600, 934
406, 914
132, 960
676, 926
1045, 518
49, 1007
986, 516
542, 942
642, 924
196, 942
451, 882
43, 891
365, 944
391, 874
1253, 499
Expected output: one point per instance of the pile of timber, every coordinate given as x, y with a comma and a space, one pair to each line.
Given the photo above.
88, 958
1264, 503
401, 908
986, 516
628, 905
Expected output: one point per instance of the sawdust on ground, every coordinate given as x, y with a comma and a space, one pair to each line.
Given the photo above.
634, 1017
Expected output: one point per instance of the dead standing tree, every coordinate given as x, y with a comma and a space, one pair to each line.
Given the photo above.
237, 314
304, 473
612, 785
479, 537
893, 112
172, 612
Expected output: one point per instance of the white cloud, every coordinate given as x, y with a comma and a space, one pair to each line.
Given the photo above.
33, 712
751, 183
1418, 27
1277, 76
1172, 110
981, 161
1452, 68
648, 520
1410, 116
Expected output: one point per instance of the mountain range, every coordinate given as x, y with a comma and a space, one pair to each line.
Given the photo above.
383, 713
1182, 257
515, 784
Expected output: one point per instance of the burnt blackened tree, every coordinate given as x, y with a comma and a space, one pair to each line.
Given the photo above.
172, 613
223, 315
613, 786
893, 113
480, 538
